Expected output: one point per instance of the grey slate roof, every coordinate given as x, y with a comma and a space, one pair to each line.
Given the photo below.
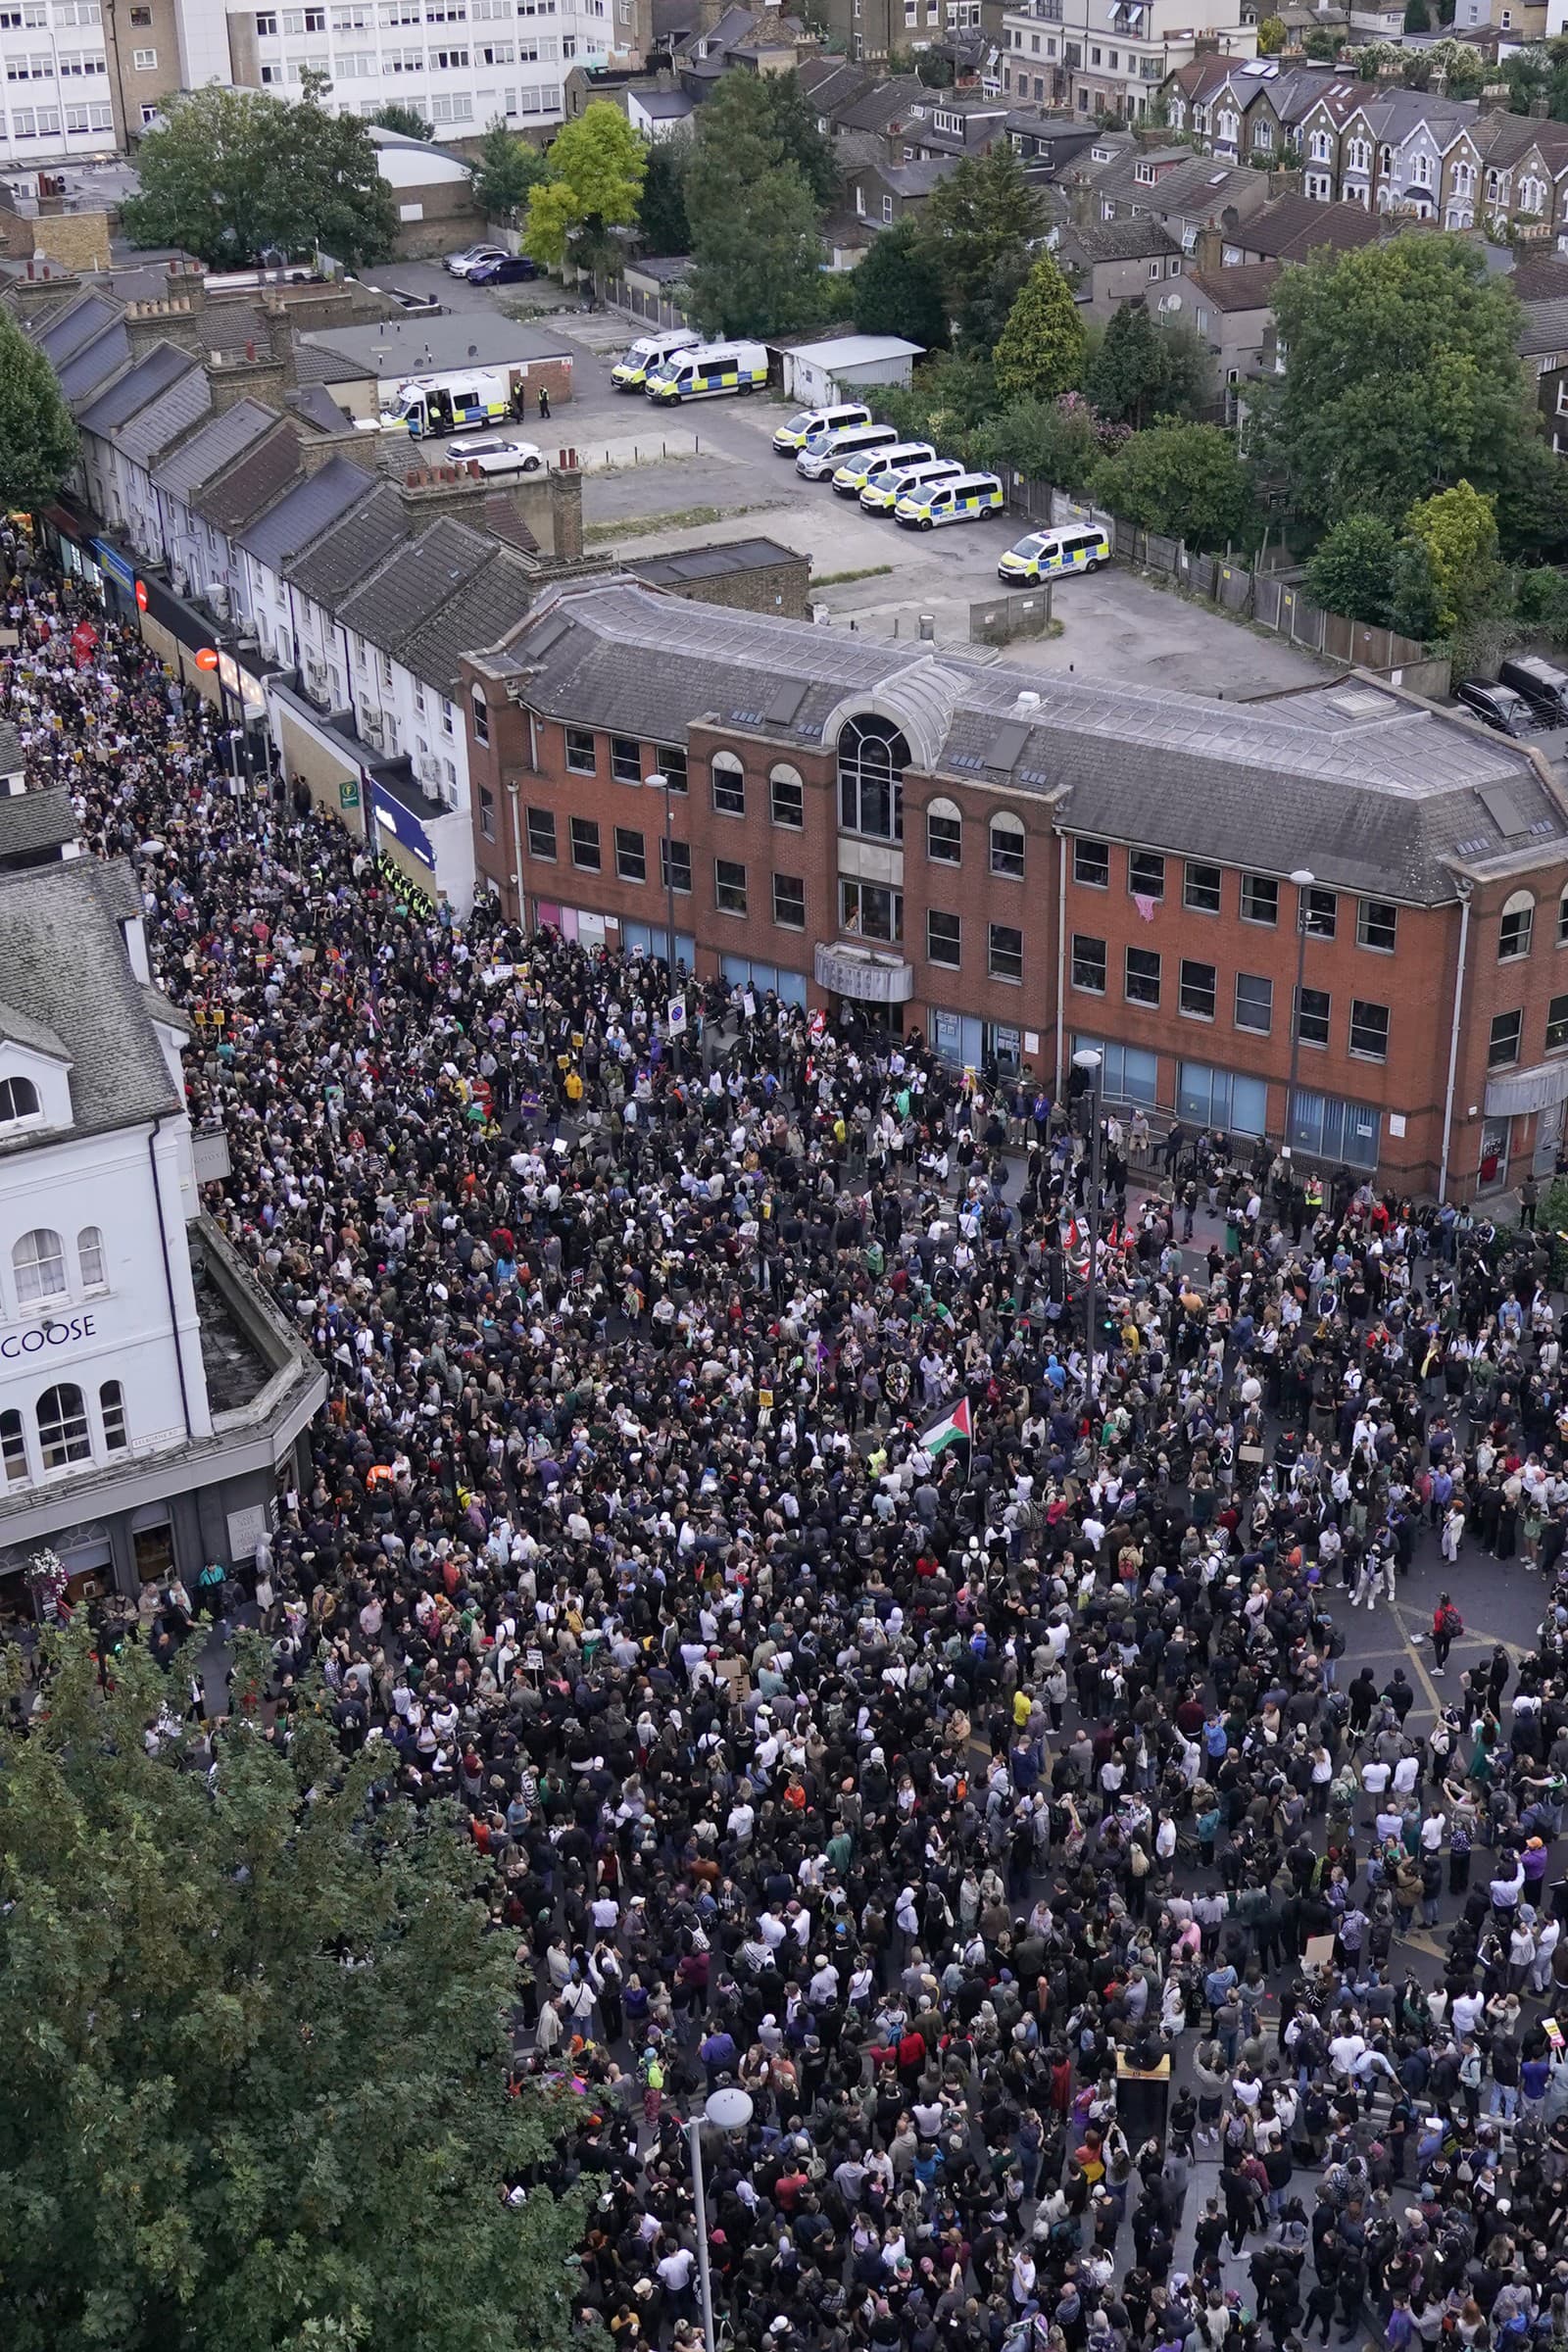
35, 821
351, 547
413, 582
94, 363
267, 468
211, 446
481, 614
65, 332
1543, 327
313, 367
186, 402
316, 405
399, 347
11, 753
305, 511
1087, 242
1379, 792
149, 379
64, 966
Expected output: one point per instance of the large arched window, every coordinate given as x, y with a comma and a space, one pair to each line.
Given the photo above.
944, 832
729, 784
90, 1259
873, 759
1007, 846
1517, 926
38, 1262
63, 1427
19, 1099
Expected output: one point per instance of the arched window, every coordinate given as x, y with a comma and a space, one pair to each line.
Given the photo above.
112, 1405
38, 1262
1007, 846
944, 832
729, 784
873, 759
63, 1427
19, 1099
90, 1259
786, 792
1515, 930
13, 1449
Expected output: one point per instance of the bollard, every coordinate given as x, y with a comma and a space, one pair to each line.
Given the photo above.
928, 627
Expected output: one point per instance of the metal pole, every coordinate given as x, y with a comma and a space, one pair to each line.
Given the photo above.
670, 905
1094, 1253
695, 2131
1303, 882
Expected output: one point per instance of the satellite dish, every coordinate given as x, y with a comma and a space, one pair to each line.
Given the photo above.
473, 350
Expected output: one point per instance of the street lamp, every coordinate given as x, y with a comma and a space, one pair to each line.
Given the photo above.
1088, 1059
658, 782
727, 2110
1301, 881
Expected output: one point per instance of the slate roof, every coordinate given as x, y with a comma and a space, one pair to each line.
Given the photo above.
305, 511
350, 548
1201, 189
185, 403
1289, 227
11, 753
411, 582
1540, 278
65, 332
152, 376
1087, 242
883, 103
35, 821
64, 966
1247, 288
94, 363
479, 613
1544, 328
1381, 792
267, 467
313, 367
211, 446
316, 405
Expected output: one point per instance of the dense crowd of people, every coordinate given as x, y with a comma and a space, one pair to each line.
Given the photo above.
862, 1684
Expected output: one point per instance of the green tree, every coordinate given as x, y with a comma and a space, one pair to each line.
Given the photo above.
407, 119
596, 166
506, 173
756, 254
661, 222
37, 438
234, 174
1458, 528
793, 120
951, 396
982, 220
1046, 440
1401, 377
1352, 571
1417, 16
898, 289
1041, 349
1272, 35
1415, 609
1143, 370
258, 2044
1185, 480
1322, 44
935, 68
1541, 602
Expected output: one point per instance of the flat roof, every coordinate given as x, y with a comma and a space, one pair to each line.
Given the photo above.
419, 346
854, 351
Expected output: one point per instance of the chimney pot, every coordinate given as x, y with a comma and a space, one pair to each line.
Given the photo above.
250, 351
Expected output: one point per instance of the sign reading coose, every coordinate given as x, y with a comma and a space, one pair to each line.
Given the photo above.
18, 1344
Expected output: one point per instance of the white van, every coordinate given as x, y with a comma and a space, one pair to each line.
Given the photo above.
826, 451
793, 437
1052, 555
883, 491
703, 374
965, 499
630, 371
873, 465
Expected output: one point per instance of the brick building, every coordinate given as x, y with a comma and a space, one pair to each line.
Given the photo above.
1017, 864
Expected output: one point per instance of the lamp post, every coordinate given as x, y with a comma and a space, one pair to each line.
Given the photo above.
1088, 1060
660, 783
727, 2110
1301, 881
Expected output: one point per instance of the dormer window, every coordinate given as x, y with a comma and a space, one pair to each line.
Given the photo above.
19, 1101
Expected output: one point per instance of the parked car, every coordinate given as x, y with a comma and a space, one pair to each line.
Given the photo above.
1543, 684
495, 456
427, 303
1052, 555
1499, 706
459, 265
511, 269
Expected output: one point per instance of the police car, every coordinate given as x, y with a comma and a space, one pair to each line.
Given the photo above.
871, 465
1052, 555
883, 491
965, 499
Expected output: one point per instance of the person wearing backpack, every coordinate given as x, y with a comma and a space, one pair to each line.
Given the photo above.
1447, 1627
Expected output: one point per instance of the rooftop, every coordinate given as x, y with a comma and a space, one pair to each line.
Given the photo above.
400, 347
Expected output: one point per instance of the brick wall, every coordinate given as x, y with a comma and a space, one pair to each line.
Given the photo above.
73, 241
778, 588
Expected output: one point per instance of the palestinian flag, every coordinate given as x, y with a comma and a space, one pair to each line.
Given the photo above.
948, 1429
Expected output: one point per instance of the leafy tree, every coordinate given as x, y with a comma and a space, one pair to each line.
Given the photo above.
1185, 480
1322, 44
951, 396
596, 166
757, 255
982, 220
1415, 609
407, 119
661, 222
1041, 349
1057, 441
258, 2040
37, 438
793, 120
1352, 570
1465, 72
1417, 16
935, 68
1402, 375
508, 170
235, 173
1143, 370
1458, 528
898, 289
1540, 603
1272, 35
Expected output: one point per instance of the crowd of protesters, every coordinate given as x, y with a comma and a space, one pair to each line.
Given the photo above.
935, 1788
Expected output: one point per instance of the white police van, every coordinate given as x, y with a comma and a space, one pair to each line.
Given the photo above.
965, 500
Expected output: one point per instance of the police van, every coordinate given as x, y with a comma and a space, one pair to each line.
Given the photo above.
877, 465
883, 491
1052, 555
630, 371
824, 451
964, 499
794, 435
703, 374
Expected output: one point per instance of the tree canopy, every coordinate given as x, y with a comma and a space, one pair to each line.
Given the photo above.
596, 166
506, 173
256, 2046
755, 244
37, 438
1186, 481
898, 288
407, 119
233, 174
982, 220
661, 222
1401, 376
1143, 370
1351, 569
1041, 349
